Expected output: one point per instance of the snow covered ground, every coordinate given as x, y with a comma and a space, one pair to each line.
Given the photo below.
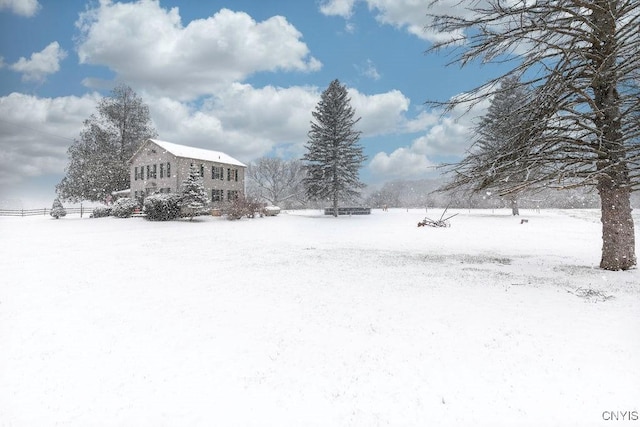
307, 320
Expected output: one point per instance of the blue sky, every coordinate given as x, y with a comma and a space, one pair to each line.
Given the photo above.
237, 76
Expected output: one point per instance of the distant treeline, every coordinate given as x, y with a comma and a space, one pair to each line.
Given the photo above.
422, 193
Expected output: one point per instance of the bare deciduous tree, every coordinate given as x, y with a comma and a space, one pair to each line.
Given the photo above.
276, 181
579, 123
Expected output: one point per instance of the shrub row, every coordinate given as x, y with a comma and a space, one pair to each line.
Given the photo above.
167, 207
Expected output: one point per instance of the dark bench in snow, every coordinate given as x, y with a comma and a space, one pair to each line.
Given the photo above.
348, 211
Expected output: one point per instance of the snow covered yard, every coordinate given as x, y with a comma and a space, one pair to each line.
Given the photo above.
307, 320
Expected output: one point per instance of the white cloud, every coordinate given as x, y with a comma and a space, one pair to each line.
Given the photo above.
343, 8
148, 47
407, 14
387, 113
381, 113
26, 8
410, 15
241, 120
446, 136
36, 133
401, 163
369, 70
422, 121
41, 64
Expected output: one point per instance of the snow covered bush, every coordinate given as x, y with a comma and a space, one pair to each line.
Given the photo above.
162, 207
57, 210
243, 206
101, 212
123, 208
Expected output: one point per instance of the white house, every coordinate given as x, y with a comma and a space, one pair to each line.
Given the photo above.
161, 167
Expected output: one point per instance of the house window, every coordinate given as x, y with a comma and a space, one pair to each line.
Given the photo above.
148, 171
168, 170
232, 174
135, 174
155, 170
161, 170
217, 172
217, 195
202, 170
232, 195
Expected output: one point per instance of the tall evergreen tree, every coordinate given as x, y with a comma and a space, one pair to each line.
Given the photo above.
99, 160
498, 161
194, 196
333, 156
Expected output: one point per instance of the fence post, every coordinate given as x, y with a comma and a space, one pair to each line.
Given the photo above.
80, 210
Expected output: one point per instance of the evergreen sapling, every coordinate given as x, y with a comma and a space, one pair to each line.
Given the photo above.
194, 199
57, 210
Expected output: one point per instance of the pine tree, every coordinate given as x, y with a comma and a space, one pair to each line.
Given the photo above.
333, 156
99, 160
499, 160
194, 196
57, 210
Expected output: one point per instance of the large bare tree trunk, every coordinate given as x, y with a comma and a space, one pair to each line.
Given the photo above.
618, 235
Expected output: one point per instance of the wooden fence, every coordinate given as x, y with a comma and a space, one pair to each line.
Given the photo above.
43, 212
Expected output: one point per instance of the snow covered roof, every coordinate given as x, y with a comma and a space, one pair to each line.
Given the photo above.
196, 153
